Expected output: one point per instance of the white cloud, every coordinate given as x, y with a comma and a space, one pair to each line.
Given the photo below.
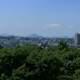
54, 25
59, 28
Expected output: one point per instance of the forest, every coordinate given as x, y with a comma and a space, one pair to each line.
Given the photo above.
32, 62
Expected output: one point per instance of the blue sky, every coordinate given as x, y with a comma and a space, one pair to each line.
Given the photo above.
43, 17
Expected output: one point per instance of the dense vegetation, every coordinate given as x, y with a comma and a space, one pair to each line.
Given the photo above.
31, 62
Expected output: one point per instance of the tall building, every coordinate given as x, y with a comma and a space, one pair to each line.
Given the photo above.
77, 39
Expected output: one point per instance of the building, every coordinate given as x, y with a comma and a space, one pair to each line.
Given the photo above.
77, 39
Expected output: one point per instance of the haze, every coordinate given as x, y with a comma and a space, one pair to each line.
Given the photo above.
42, 17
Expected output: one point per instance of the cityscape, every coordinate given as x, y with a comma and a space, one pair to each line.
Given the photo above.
13, 41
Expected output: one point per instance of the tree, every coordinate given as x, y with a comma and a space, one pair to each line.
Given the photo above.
63, 45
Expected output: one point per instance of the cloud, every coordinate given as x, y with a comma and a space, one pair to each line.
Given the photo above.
54, 25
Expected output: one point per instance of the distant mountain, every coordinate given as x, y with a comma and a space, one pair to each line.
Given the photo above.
35, 36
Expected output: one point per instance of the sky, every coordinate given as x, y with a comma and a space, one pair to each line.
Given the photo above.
52, 18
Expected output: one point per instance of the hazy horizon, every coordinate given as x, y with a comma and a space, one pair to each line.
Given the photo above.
52, 18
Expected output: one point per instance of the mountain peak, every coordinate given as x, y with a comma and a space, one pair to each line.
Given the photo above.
35, 36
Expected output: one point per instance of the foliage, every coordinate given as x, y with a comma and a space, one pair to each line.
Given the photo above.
31, 62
